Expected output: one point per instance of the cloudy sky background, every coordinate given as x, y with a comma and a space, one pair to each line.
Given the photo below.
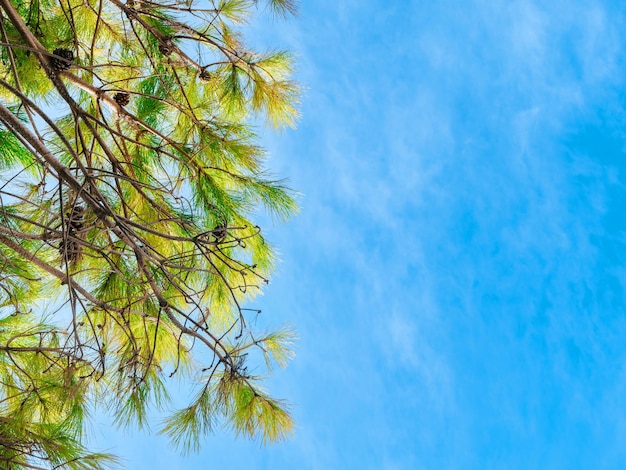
456, 274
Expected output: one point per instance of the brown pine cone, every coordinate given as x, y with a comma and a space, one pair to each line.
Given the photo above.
220, 232
204, 76
76, 219
63, 61
166, 47
70, 249
122, 98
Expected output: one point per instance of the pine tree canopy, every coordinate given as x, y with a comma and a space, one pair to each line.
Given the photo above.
130, 182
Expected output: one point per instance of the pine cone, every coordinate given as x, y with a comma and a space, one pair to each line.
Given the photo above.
204, 76
166, 47
220, 232
69, 248
76, 219
63, 61
122, 98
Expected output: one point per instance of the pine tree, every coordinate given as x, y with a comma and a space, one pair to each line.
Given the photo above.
131, 182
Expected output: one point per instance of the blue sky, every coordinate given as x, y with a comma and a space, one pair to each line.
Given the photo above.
457, 271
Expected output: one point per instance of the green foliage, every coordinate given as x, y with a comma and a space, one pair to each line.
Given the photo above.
43, 398
131, 184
